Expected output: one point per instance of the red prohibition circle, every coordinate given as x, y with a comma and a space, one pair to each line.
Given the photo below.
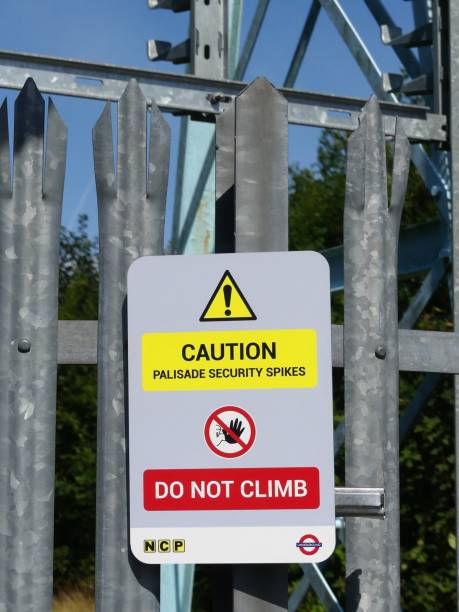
215, 416
311, 550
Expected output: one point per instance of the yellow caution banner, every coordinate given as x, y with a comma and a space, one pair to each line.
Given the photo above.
259, 359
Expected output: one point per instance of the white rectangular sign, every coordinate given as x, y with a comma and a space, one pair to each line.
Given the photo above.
230, 409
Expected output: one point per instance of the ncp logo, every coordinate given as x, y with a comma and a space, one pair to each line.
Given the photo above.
163, 546
309, 544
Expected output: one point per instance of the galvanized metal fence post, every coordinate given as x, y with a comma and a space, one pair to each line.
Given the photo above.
453, 8
131, 222
400, 171
30, 215
261, 224
371, 358
364, 335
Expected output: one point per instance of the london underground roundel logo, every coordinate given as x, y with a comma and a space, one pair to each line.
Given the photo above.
309, 544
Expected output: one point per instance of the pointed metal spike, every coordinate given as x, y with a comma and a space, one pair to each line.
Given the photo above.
29, 90
400, 173
5, 162
375, 159
158, 163
56, 154
158, 174
132, 142
355, 192
372, 106
29, 105
29, 108
132, 91
260, 86
29, 125
104, 165
374, 120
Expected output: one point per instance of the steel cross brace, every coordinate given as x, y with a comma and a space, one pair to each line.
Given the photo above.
421, 247
427, 169
313, 577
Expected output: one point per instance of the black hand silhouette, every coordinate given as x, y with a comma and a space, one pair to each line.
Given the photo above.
235, 427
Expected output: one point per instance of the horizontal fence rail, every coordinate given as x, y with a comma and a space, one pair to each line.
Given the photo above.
202, 96
420, 351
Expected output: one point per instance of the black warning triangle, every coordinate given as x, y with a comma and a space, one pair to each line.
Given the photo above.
227, 303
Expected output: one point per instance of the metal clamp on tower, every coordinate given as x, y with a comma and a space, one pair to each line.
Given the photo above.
430, 38
205, 49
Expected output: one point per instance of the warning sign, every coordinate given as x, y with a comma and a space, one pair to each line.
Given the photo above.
229, 432
227, 303
230, 409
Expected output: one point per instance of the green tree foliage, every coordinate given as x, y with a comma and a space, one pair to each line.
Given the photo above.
427, 456
76, 419
316, 197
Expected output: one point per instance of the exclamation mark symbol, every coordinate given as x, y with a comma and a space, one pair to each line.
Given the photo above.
227, 290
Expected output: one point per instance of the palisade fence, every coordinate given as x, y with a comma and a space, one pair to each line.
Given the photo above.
251, 215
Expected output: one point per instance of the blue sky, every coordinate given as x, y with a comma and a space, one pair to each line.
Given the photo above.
116, 31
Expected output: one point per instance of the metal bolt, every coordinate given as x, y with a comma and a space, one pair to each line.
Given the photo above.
214, 98
380, 352
24, 345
